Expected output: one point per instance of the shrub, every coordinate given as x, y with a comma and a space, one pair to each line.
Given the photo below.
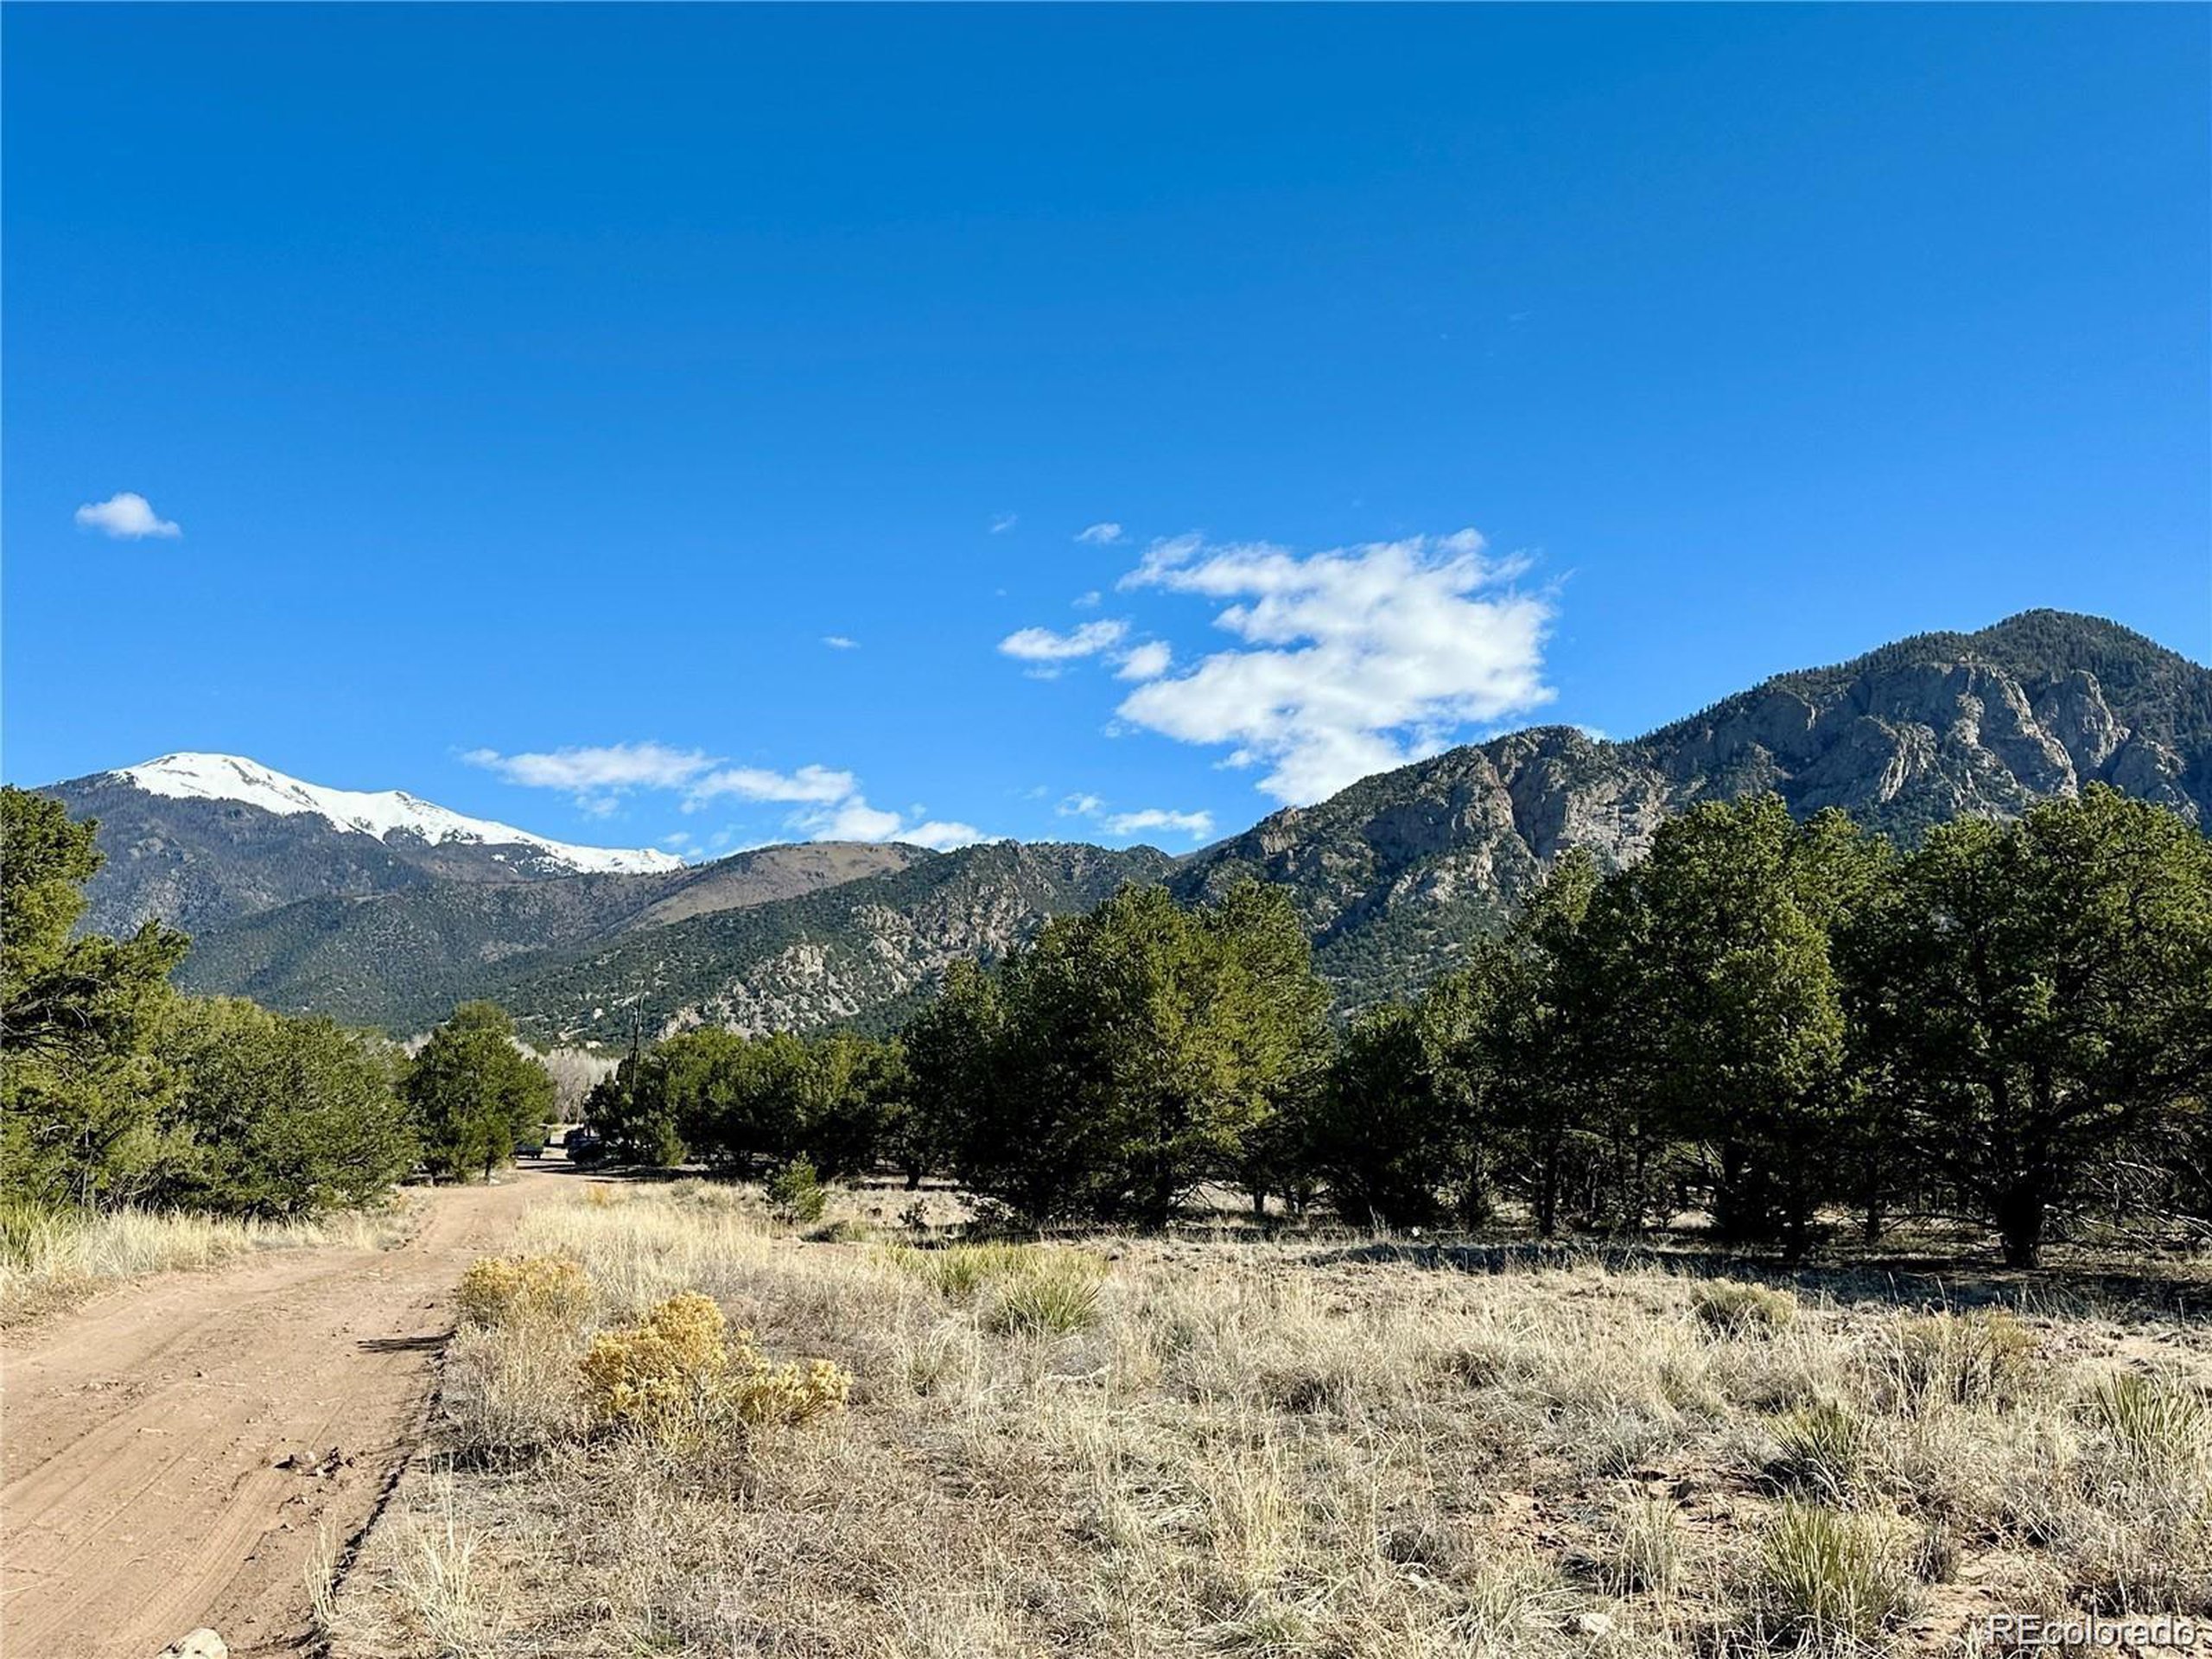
1828, 1576
1824, 1448
1984, 1358
508, 1290
681, 1372
1733, 1307
797, 1195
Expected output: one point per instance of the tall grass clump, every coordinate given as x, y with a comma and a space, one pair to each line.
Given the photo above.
1024, 1289
1054, 1298
1828, 1576
1824, 1448
1984, 1360
1645, 1549
2159, 1424
1733, 1308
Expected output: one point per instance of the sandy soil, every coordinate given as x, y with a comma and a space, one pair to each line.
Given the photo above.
167, 1451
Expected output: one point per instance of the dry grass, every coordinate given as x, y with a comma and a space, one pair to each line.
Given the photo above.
51, 1258
1204, 1448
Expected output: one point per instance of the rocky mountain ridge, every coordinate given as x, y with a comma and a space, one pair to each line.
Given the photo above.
1394, 873
1394, 876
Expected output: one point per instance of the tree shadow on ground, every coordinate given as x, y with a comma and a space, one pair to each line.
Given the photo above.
1917, 1281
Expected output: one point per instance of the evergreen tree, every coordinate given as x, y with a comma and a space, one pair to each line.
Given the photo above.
276, 1115
475, 1093
1127, 1055
1535, 1043
80, 1087
2041, 994
1713, 1011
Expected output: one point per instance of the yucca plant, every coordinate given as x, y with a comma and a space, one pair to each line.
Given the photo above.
2160, 1423
1052, 1298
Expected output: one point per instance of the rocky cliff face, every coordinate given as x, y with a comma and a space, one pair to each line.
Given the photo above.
1943, 726
1393, 874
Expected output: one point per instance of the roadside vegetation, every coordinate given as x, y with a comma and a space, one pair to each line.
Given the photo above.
142, 1129
1123, 1444
50, 1257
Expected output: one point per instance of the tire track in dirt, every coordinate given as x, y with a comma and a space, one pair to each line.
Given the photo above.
140, 1436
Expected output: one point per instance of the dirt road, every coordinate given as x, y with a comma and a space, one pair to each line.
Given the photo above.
142, 1435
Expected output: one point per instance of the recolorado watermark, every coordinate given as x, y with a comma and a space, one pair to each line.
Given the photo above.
2158, 1632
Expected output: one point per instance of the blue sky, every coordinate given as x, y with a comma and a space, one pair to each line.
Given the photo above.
534, 393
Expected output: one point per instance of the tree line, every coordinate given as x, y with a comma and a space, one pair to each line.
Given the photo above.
1770, 1021
116, 1091
1776, 1024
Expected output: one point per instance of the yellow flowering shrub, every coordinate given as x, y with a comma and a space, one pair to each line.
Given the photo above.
681, 1371
506, 1290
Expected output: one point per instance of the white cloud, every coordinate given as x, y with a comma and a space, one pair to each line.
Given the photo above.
127, 516
1196, 825
611, 767
827, 802
941, 836
1043, 645
1001, 523
1100, 535
814, 784
840, 642
1146, 662
854, 819
850, 819
1351, 661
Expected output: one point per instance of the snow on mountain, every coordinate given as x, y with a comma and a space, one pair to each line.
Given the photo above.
381, 813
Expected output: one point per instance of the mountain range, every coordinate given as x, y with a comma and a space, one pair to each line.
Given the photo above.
384, 910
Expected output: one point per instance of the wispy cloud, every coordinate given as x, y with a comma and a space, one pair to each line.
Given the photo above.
841, 642
1100, 535
1196, 825
1043, 645
608, 767
827, 802
127, 516
1349, 661
1002, 521
814, 783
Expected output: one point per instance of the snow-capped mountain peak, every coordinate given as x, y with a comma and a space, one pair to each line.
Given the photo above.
382, 813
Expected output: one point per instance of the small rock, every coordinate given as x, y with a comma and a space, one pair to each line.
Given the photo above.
1596, 1626
202, 1643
